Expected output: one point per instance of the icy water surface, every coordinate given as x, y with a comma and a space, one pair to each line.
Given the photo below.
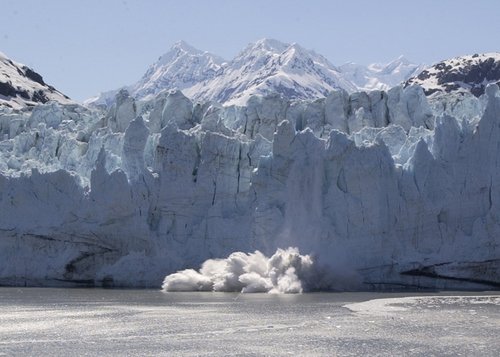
71, 322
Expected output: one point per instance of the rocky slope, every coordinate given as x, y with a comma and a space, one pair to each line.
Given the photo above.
20, 86
465, 74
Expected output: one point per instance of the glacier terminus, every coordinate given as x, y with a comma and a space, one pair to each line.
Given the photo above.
389, 188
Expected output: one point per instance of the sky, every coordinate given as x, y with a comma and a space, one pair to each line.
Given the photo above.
89, 46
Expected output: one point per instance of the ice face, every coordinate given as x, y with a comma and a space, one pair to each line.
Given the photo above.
382, 189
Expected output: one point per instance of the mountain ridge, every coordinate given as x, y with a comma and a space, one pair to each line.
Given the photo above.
263, 67
21, 86
381, 76
467, 73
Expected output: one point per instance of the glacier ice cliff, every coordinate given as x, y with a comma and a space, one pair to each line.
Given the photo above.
384, 190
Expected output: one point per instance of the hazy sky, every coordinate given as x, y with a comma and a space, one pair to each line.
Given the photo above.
84, 47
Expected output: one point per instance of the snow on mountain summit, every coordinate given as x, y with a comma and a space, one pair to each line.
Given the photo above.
270, 66
263, 67
379, 76
181, 67
20, 86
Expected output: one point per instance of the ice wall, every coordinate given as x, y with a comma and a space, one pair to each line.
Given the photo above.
383, 189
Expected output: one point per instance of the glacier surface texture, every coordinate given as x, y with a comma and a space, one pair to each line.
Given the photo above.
382, 190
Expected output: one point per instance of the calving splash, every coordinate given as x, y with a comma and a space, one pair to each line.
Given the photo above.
286, 271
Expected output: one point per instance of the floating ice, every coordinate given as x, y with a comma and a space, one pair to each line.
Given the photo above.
401, 304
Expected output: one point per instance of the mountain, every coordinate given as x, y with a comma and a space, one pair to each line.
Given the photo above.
181, 67
379, 76
470, 73
20, 86
270, 66
264, 67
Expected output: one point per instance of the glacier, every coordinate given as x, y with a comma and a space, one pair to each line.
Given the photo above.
382, 189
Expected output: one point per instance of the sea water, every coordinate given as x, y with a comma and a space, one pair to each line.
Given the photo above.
76, 322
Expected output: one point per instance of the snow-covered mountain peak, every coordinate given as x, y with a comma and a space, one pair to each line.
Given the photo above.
295, 55
299, 53
401, 60
380, 76
20, 86
398, 65
186, 47
263, 67
266, 49
294, 50
270, 66
470, 73
258, 54
181, 50
181, 67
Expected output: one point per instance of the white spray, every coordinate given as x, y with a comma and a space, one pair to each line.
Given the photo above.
286, 271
